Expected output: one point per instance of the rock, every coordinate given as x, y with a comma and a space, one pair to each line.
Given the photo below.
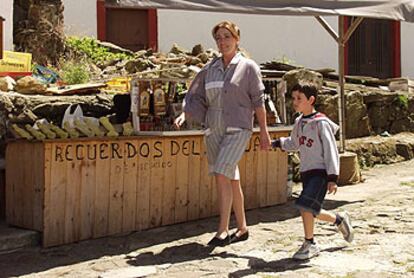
176, 49
7, 84
30, 85
357, 120
197, 49
404, 150
137, 65
203, 57
294, 76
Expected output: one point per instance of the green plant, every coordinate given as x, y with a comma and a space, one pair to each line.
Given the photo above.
402, 101
74, 73
407, 183
94, 51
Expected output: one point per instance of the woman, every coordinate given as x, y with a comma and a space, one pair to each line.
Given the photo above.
224, 95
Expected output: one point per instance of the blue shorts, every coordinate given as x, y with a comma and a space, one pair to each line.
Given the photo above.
313, 193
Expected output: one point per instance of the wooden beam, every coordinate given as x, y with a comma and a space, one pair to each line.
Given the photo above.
352, 28
327, 27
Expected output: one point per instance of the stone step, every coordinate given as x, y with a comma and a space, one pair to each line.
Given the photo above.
12, 238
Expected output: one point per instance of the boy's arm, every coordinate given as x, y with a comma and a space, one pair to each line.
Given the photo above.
330, 151
290, 143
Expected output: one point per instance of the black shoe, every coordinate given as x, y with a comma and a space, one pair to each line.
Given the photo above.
234, 238
215, 241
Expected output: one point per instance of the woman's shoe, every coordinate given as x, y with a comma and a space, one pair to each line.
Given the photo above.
215, 241
234, 238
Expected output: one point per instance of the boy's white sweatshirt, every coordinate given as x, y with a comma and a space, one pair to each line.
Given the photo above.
314, 138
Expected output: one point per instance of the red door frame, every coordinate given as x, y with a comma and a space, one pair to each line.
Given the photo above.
101, 10
1, 37
396, 42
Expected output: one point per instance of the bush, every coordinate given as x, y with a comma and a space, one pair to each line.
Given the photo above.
90, 47
75, 73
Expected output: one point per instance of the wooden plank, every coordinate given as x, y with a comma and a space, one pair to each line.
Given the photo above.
88, 189
47, 191
156, 181
172, 148
250, 190
115, 188
272, 175
281, 183
75, 89
74, 162
102, 197
205, 187
130, 187
12, 179
18, 189
261, 172
143, 185
27, 187
194, 165
182, 179
214, 208
242, 170
54, 230
38, 182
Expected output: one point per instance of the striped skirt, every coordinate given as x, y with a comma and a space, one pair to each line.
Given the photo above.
224, 151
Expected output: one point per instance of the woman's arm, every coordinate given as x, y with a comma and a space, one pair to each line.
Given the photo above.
264, 134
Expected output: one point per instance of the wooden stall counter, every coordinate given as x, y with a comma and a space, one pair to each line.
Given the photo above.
72, 190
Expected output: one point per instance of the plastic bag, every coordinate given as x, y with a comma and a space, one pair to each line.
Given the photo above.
72, 113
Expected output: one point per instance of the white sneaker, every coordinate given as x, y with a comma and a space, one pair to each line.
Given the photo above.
306, 251
346, 228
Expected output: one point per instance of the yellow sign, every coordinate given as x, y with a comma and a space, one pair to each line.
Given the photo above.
16, 62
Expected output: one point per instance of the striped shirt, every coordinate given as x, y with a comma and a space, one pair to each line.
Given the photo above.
242, 89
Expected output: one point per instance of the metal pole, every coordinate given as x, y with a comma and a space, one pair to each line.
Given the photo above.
341, 83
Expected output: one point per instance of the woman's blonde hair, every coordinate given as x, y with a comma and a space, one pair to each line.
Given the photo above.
233, 28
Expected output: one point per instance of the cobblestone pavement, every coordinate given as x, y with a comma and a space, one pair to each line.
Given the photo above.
382, 214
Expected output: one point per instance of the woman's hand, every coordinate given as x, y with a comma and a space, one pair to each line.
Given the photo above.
265, 141
332, 187
178, 122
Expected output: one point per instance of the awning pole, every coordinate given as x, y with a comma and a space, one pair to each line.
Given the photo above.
341, 39
341, 83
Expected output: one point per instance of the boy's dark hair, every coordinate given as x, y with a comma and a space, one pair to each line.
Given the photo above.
307, 88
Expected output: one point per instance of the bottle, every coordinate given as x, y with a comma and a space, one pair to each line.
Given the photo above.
159, 100
135, 105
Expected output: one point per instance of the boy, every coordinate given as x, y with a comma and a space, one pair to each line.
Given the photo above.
313, 136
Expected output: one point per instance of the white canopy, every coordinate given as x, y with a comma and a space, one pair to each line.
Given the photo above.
402, 10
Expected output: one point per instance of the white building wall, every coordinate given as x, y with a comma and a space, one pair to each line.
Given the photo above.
407, 49
6, 11
301, 40
80, 17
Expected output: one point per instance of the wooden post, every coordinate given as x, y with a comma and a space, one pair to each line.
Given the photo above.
1, 37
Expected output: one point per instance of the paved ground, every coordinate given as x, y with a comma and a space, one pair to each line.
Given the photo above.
381, 208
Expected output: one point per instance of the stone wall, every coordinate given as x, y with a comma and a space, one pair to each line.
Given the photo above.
22, 109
